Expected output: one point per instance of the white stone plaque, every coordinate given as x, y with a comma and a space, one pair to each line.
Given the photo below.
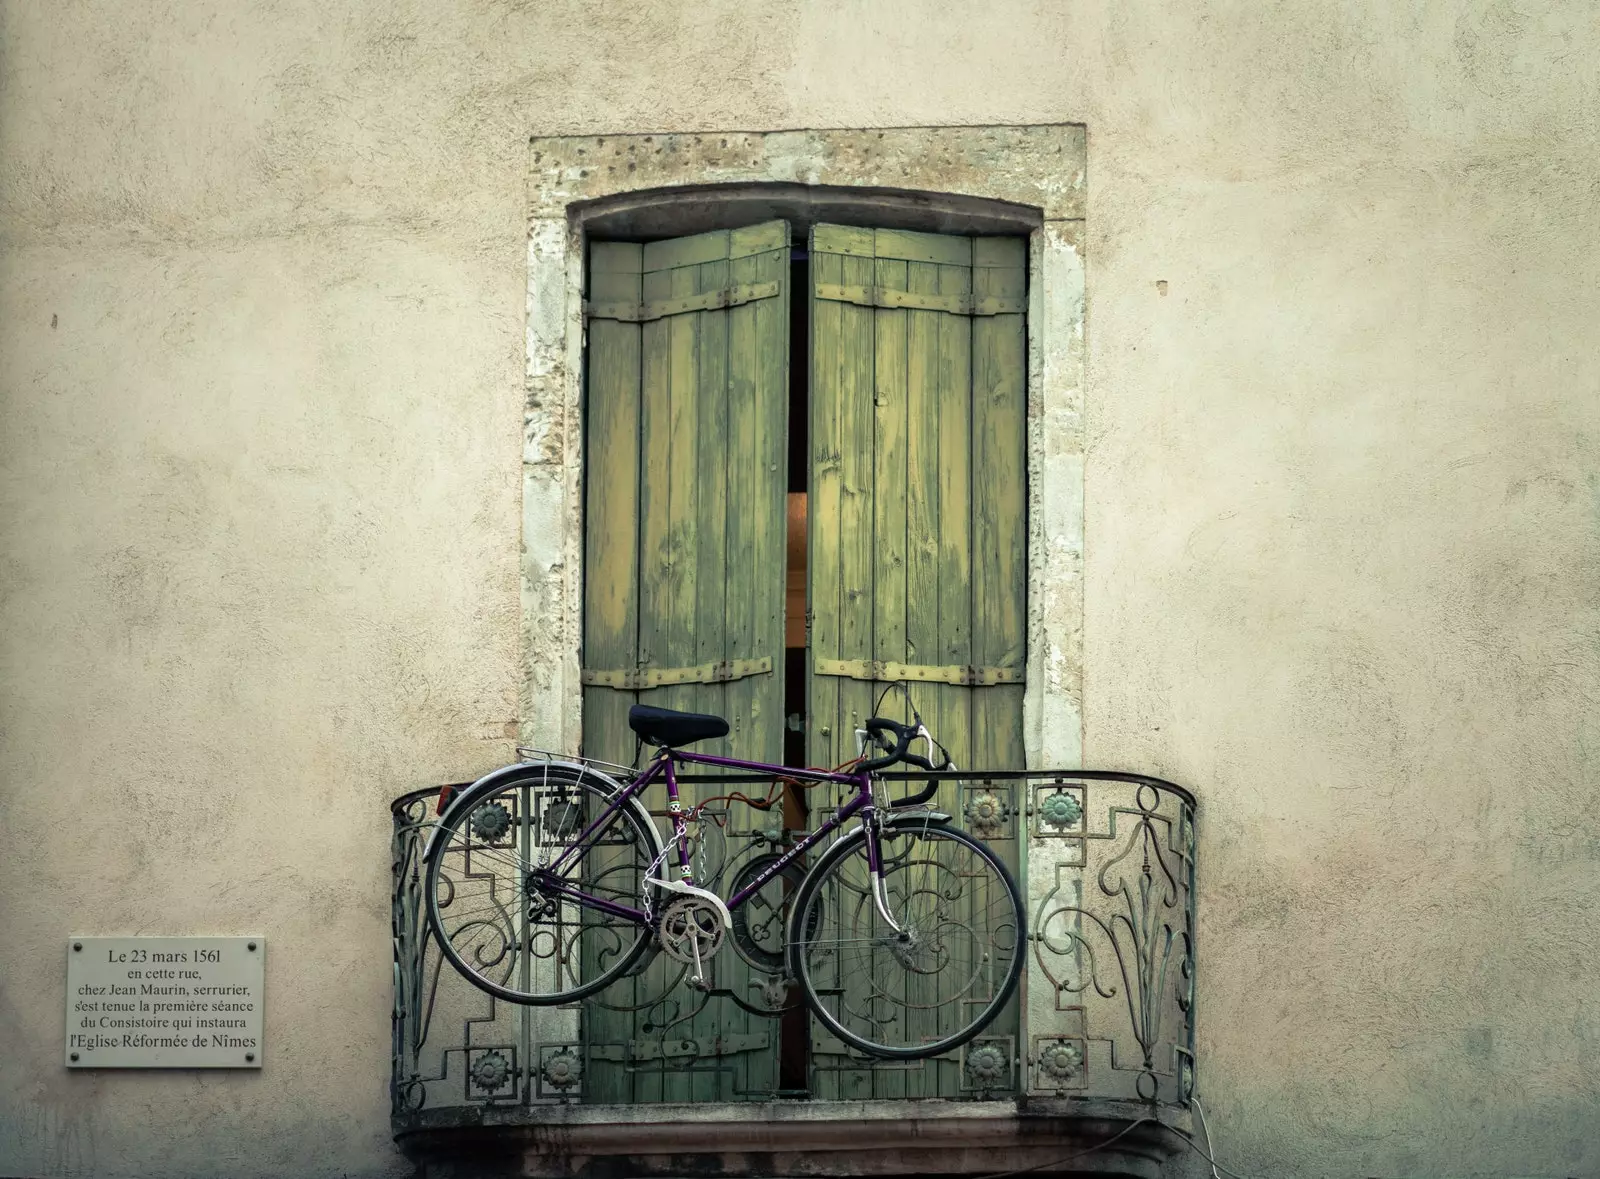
164, 1002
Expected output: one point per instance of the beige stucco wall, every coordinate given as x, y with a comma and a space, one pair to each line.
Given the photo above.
262, 357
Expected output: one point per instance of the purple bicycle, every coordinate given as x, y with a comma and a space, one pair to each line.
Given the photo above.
549, 880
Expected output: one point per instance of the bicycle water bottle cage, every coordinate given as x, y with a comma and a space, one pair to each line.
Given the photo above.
663, 726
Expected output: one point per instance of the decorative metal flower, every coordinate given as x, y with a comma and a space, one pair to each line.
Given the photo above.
1061, 809
1060, 1060
985, 814
491, 821
490, 1072
562, 1070
562, 819
986, 1064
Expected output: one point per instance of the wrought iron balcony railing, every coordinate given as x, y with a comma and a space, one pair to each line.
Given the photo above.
1105, 1012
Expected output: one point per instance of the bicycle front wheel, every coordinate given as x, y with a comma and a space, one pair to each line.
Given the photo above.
510, 935
934, 982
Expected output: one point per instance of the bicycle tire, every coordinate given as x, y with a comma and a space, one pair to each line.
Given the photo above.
839, 883
537, 950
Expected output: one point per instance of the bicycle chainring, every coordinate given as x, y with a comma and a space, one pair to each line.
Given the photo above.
690, 930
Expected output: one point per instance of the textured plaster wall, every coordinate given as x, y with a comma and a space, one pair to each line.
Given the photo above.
261, 354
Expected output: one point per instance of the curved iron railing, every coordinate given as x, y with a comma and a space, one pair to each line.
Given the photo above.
1105, 1011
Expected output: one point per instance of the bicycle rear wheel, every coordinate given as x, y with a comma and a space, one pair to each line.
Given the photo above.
938, 981
507, 935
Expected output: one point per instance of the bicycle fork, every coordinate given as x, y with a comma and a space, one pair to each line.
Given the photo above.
880, 886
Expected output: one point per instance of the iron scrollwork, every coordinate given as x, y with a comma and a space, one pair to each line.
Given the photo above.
1114, 940
1109, 865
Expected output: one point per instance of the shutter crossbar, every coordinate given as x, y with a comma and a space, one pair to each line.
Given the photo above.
734, 296
955, 673
660, 677
915, 301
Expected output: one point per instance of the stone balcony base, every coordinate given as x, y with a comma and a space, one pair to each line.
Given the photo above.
795, 1138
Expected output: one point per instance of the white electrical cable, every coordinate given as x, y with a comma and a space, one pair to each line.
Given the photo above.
1206, 1130
1189, 1142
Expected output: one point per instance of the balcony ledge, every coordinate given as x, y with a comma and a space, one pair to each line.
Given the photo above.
794, 1138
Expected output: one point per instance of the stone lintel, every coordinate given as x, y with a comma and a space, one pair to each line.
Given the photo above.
1040, 165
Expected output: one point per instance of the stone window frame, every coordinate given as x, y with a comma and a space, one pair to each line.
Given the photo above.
955, 179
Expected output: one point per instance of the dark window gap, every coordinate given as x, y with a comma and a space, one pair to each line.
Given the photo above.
799, 369
794, 1032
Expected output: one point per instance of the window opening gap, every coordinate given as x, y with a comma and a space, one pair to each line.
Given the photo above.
799, 370
794, 1033
795, 628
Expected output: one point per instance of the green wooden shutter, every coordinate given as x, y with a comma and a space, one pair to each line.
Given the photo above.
917, 524
686, 419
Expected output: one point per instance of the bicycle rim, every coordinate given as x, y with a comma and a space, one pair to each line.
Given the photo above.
936, 985
512, 939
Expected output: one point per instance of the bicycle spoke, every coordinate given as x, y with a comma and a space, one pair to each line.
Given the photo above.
938, 978
521, 940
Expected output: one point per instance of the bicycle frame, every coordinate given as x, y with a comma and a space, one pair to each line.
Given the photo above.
553, 879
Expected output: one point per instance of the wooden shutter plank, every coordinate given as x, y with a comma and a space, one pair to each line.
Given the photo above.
681, 253
999, 379
656, 460
655, 500
667, 384
745, 478
908, 246
954, 415
748, 241
766, 712
937, 702
889, 529
951, 395
709, 633
683, 486
841, 565
922, 482
841, 240
824, 560
703, 521
893, 486
889, 472
614, 461
754, 455
655, 578
922, 495
856, 371
758, 383
999, 375
745, 510
683, 482
611, 581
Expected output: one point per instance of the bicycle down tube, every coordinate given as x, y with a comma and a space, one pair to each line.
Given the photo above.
553, 876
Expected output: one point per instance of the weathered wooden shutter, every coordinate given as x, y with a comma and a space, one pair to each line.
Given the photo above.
918, 525
684, 573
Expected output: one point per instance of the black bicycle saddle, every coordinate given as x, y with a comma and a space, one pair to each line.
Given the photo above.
663, 726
